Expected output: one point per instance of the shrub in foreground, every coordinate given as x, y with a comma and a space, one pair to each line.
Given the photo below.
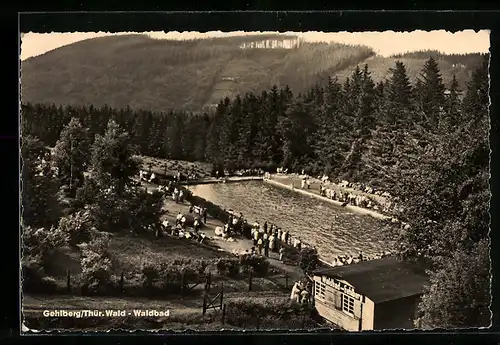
170, 276
270, 313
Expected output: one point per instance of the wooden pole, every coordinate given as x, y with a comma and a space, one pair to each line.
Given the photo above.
68, 280
182, 284
122, 280
286, 281
207, 284
250, 281
222, 294
223, 314
204, 304
258, 321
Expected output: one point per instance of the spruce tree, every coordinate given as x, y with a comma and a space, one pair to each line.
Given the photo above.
430, 93
451, 115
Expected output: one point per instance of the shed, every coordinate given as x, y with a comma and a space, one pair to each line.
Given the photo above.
370, 295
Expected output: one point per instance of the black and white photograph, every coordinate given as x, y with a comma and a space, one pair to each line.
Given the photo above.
254, 181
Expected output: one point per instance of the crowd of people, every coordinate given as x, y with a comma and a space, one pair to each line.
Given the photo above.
342, 260
301, 292
181, 230
338, 191
269, 237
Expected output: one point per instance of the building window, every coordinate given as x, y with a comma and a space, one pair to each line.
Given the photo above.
348, 304
320, 290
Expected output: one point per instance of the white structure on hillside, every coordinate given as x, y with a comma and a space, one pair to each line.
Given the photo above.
285, 43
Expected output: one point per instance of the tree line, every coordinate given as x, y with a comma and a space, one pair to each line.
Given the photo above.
425, 143
355, 130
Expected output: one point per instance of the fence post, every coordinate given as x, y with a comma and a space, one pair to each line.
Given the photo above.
207, 283
286, 280
122, 281
182, 284
221, 294
223, 314
68, 280
250, 281
204, 304
258, 321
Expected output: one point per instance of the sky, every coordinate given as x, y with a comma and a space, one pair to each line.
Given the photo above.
383, 43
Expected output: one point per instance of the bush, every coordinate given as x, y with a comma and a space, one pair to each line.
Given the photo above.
259, 265
234, 267
96, 265
33, 276
167, 276
38, 245
271, 313
308, 259
229, 267
77, 227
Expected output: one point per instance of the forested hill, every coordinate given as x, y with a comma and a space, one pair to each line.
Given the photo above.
146, 73
159, 75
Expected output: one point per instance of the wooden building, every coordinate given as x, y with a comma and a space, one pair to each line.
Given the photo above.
370, 295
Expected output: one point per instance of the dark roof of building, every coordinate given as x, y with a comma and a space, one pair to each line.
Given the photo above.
383, 279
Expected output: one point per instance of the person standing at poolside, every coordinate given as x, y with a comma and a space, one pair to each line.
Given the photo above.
266, 248
255, 236
271, 242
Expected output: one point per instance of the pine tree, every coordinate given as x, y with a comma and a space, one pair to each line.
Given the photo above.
451, 115
247, 130
366, 120
399, 97
430, 93
295, 131
326, 145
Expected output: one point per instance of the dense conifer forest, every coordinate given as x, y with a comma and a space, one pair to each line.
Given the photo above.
193, 75
426, 142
